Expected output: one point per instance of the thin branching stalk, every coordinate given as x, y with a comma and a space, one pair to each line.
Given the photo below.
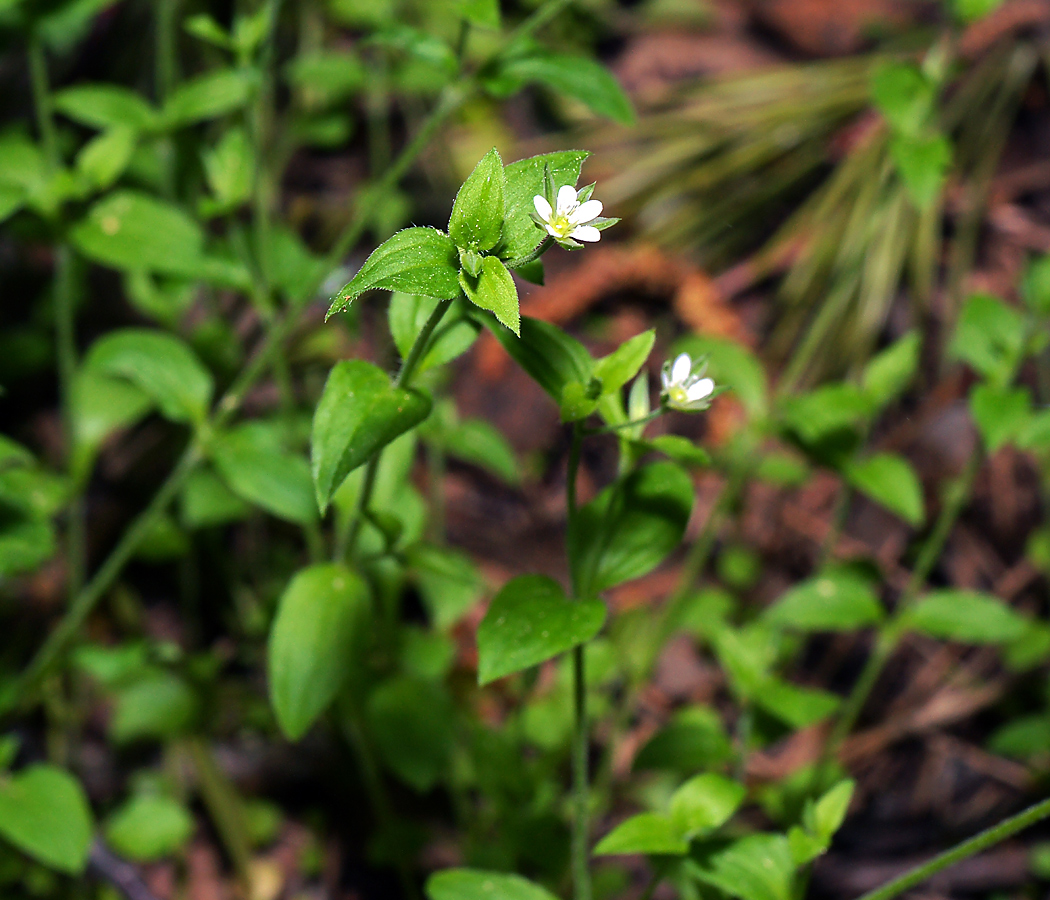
581, 873
452, 99
987, 838
408, 367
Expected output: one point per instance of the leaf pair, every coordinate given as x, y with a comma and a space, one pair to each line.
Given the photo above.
490, 223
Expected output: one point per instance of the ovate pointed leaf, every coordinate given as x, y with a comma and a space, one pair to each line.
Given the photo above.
494, 290
891, 482
838, 599
310, 643
530, 621
160, 365
525, 179
359, 412
44, 813
474, 884
652, 833
477, 214
630, 527
415, 260
969, 617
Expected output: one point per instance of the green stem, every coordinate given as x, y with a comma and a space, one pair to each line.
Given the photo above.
165, 39
378, 798
42, 99
66, 349
889, 636
534, 254
581, 874
408, 368
81, 607
987, 838
225, 809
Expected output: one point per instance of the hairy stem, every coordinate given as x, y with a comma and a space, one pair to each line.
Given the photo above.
42, 99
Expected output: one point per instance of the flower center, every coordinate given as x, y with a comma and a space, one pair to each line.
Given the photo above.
678, 394
561, 224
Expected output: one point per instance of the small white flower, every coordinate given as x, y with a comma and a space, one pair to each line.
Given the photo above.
684, 384
571, 220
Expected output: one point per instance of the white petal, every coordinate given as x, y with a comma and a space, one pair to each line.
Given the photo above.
551, 231
665, 378
587, 233
543, 207
701, 389
566, 199
680, 368
586, 212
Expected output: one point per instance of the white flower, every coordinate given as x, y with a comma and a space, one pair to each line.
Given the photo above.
572, 220
684, 385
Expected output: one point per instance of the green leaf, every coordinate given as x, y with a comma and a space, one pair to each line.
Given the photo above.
260, 471
24, 545
104, 158
972, 10
680, 449
408, 313
1002, 414
44, 813
411, 720
477, 213
360, 411
620, 366
230, 170
416, 260
483, 13
829, 812
525, 179
473, 884
477, 442
652, 833
208, 97
822, 412
160, 365
206, 501
1035, 286
732, 364
695, 739
891, 482
887, 375
494, 290
578, 400
969, 617
129, 230
756, 867
578, 77
839, 599
327, 76
923, 164
530, 621
101, 405
904, 96
157, 706
552, 357
989, 337
311, 643
630, 527
105, 106
705, 803
797, 706
448, 581
148, 828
